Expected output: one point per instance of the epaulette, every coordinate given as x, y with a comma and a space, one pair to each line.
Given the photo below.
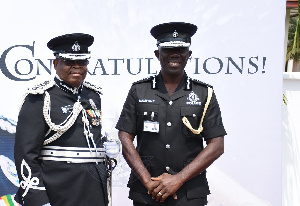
143, 80
38, 89
201, 83
93, 87
152, 79
41, 88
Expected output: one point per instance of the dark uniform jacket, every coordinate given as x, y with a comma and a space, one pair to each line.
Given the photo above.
174, 146
58, 182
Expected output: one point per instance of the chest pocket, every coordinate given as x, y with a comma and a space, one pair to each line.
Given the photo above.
146, 112
193, 114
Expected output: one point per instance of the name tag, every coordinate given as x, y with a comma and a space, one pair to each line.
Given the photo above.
150, 126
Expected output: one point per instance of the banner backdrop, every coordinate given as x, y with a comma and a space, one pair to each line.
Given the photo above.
238, 48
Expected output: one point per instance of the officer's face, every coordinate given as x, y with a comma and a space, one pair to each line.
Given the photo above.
71, 72
173, 60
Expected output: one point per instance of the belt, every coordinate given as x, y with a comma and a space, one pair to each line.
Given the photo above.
72, 154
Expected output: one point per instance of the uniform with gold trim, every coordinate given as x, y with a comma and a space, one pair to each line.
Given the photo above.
164, 143
174, 146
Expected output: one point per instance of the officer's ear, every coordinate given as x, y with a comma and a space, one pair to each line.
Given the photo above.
55, 62
156, 52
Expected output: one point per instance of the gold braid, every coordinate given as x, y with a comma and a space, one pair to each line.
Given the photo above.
186, 121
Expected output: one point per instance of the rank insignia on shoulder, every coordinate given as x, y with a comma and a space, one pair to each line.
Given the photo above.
93, 87
147, 79
38, 89
199, 82
42, 87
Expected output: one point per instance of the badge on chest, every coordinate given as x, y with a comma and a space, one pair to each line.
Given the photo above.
96, 116
94, 113
151, 125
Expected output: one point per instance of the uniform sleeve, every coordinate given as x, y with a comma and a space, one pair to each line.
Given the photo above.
30, 133
212, 122
127, 120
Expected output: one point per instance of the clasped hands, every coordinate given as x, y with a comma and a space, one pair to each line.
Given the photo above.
163, 186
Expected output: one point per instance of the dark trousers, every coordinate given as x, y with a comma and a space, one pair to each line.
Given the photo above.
138, 204
200, 202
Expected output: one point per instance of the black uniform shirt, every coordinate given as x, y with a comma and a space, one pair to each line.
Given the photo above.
174, 146
64, 183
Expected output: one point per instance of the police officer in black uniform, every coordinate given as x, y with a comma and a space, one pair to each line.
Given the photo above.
171, 114
59, 153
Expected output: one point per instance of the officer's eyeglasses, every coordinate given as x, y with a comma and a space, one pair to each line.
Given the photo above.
68, 62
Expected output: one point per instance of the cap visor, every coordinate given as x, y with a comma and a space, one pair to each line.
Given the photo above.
74, 56
172, 44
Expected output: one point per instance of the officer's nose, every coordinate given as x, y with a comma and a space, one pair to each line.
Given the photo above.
174, 54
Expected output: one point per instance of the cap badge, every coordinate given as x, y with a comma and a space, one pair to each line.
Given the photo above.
76, 47
175, 34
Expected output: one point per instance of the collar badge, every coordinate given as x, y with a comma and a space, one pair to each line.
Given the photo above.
193, 99
76, 47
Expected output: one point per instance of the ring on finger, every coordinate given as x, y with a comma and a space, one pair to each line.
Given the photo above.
160, 193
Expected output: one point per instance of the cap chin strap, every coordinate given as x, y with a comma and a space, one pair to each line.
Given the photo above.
171, 44
186, 121
72, 56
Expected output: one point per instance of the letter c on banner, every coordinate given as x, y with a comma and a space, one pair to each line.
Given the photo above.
3, 66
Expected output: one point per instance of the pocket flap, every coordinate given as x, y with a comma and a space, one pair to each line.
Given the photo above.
190, 111
146, 108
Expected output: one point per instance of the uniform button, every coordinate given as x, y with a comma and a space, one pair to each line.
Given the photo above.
167, 168
168, 146
194, 115
170, 102
169, 124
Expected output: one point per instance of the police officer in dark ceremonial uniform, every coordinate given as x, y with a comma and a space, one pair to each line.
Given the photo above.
171, 114
59, 154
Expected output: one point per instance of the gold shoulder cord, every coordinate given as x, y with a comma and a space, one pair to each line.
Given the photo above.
186, 121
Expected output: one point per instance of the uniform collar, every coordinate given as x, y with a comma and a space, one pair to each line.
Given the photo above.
65, 87
157, 83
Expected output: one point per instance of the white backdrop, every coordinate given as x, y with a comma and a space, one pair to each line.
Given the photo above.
238, 48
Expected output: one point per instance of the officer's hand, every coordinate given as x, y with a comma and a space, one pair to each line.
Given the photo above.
112, 149
168, 185
151, 185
